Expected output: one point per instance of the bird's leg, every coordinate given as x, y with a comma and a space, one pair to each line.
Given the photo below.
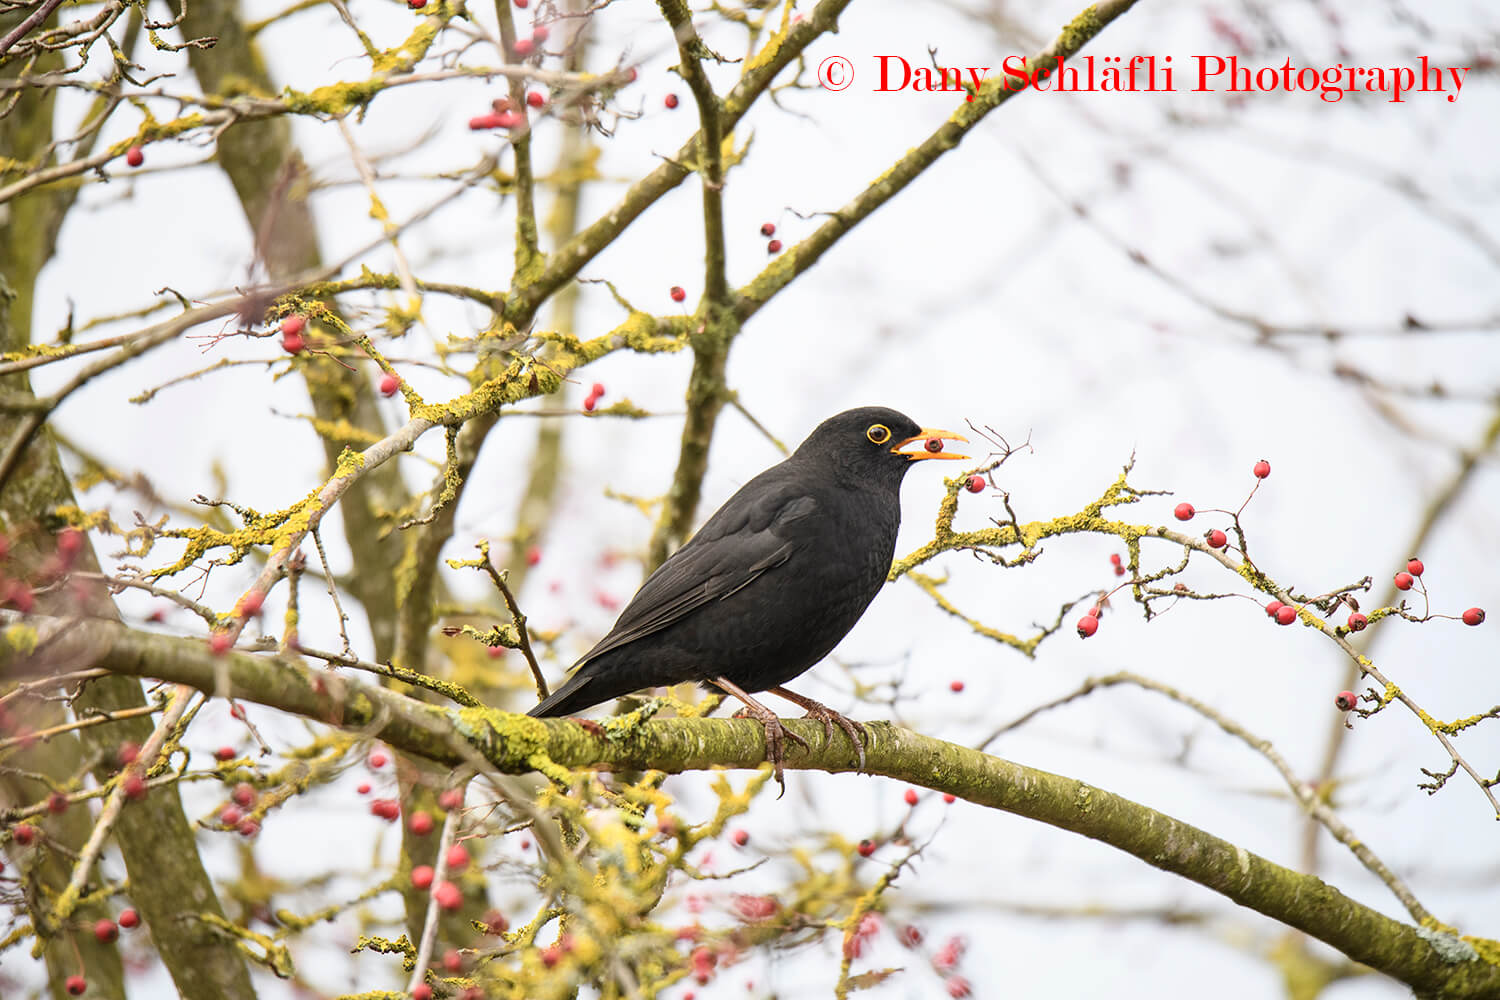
817, 710
775, 734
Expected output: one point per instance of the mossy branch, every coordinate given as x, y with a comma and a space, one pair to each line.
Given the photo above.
946, 137
1433, 963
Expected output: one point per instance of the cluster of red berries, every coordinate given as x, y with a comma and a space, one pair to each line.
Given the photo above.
19, 594
768, 230
1408, 578
292, 327
1117, 563
1284, 614
526, 46
105, 932
590, 401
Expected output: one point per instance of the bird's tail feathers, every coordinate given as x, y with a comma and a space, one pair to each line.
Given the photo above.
572, 697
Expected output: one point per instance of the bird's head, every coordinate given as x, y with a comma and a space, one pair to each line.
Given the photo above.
875, 444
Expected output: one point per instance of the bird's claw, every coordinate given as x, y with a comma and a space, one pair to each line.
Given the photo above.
776, 737
858, 735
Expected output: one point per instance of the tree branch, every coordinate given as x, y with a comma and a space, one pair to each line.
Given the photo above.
1431, 960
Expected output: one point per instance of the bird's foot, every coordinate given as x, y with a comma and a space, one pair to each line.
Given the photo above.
858, 735
776, 737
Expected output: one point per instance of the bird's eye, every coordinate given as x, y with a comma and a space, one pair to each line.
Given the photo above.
878, 433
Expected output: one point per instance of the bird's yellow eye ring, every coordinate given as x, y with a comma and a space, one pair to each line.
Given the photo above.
878, 433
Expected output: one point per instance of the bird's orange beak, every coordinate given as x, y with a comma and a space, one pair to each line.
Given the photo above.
925, 435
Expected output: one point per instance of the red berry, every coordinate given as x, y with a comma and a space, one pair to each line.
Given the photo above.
975, 484
1087, 626
535, 99
128, 753
524, 46
57, 802
958, 986
389, 384
238, 711
495, 923
129, 918
1286, 614
1415, 567
1114, 558
220, 643
768, 229
251, 603
1346, 701
230, 815
597, 389
956, 686
670, 101
521, 4
1404, 581
1262, 469
69, 543
540, 33
949, 798
248, 827
293, 325
1474, 616
934, 445
363, 788
420, 823
910, 936
448, 895
421, 876
1357, 622
416, 4
293, 343
678, 294
458, 857
740, 838
480, 123
1183, 512
588, 404
452, 960
866, 848
1119, 571
134, 156
76, 984
377, 759
19, 596
422, 991
135, 786
773, 247
1217, 539
911, 796
1272, 608
244, 794
451, 798
386, 809
106, 930
224, 753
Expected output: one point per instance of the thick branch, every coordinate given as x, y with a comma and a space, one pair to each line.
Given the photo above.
1431, 962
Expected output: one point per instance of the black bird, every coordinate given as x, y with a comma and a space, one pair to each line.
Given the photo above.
772, 582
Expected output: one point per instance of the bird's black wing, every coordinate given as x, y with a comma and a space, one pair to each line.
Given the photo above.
746, 537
